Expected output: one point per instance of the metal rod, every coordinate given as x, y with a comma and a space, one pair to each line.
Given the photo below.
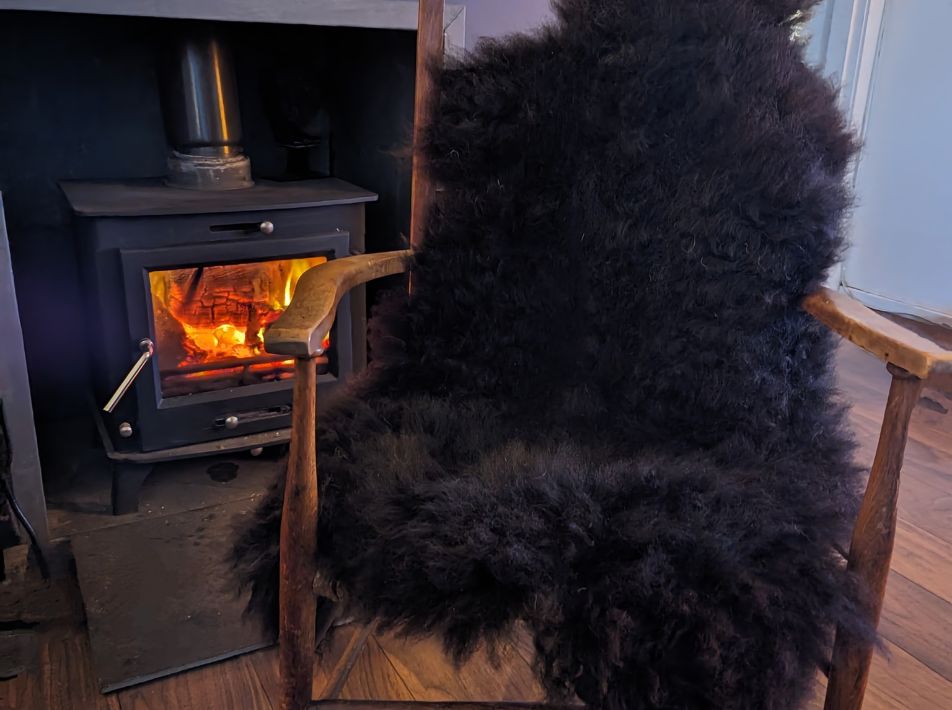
148, 348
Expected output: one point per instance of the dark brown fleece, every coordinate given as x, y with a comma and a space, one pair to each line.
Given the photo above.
602, 411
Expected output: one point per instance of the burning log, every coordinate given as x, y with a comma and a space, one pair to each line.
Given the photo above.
212, 319
170, 335
239, 294
226, 365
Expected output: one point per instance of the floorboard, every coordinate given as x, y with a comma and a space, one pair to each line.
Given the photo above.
898, 681
64, 678
375, 677
901, 681
231, 684
430, 675
327, 666
925, 558
919, 622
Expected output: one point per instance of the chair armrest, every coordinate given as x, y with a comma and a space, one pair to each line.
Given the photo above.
300, 330
889, 341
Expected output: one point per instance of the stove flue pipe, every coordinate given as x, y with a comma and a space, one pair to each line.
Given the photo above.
202, 121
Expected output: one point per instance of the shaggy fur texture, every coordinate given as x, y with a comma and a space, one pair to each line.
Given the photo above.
602, 411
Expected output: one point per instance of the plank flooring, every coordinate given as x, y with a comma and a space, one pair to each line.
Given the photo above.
916, 673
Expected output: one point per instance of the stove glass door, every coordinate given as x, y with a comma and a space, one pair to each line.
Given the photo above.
209, 322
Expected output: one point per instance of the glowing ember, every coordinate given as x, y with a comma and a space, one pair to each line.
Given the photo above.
217, 315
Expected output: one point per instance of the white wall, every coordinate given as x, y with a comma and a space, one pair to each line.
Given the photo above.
902, 227
891, 59
828, 31
493, 18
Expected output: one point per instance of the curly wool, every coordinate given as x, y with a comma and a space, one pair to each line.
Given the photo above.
602, 412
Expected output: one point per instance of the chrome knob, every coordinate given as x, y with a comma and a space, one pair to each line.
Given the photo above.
125, 430
231, 422
266, 227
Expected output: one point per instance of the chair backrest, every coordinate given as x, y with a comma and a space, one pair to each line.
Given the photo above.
637, 198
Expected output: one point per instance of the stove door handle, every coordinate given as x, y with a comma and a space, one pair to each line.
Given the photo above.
148, 349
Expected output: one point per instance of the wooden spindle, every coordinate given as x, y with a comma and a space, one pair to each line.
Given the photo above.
872, 544
299, 544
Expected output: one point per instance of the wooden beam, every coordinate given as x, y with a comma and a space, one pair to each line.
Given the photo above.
429, 55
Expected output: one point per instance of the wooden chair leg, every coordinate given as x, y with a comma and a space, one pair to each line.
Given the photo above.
872, 544
298, 602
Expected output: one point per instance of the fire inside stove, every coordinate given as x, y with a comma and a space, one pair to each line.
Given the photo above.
210, 323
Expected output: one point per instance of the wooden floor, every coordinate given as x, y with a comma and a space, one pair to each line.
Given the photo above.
916, 624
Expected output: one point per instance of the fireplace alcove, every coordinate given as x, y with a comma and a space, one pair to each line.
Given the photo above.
81, 93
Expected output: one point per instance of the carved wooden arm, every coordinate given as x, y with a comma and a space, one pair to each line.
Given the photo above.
912, 360
888, 341
301, 328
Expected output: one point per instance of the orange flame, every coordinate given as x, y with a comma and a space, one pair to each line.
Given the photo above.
219, 313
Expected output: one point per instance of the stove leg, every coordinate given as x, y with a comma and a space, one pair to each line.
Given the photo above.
127, 480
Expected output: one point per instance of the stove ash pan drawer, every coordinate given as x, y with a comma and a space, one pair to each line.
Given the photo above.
224, 418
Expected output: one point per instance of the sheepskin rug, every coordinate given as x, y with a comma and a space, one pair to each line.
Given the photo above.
602, 412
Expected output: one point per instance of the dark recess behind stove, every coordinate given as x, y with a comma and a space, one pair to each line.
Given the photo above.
81, 101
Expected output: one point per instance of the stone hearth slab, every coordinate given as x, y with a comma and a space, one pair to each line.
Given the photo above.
160, 597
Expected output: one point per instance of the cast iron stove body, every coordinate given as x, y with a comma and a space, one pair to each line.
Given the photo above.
196, 277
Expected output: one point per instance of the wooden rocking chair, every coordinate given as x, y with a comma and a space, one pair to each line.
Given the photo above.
911, 359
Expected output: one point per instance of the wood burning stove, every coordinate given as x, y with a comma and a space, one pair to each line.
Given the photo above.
181, 285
